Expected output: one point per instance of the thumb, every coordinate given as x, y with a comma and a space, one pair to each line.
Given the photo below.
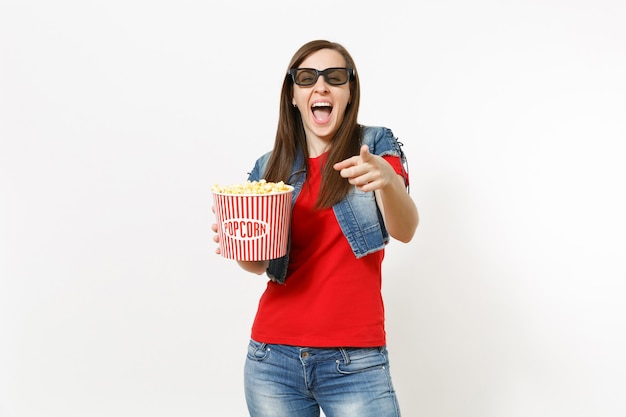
365, 154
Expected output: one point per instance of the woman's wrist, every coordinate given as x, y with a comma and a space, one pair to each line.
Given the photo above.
256, 267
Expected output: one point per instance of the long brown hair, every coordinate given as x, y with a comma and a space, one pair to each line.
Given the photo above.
290, 136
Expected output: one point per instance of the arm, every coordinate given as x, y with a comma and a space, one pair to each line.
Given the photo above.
372, 173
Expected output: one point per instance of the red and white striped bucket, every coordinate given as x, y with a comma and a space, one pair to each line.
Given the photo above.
253, 227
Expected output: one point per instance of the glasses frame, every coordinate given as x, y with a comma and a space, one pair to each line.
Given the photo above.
293, 72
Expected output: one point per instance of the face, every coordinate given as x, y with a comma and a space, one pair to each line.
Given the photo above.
322, 105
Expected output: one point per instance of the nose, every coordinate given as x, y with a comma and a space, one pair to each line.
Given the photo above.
320, 84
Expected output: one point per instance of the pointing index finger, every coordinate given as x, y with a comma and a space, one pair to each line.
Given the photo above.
364, 156
346, 163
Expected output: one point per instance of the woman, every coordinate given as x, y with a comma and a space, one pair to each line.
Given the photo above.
318, 338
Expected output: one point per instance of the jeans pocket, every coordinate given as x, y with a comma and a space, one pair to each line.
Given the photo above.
362, 360
257, 351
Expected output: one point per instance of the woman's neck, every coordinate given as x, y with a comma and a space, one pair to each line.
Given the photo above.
317, 146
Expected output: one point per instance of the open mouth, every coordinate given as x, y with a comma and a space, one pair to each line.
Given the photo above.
321, 111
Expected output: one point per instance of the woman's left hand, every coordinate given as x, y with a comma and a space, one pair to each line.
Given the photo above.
368, 172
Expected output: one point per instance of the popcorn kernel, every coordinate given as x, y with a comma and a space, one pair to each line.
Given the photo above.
252, 187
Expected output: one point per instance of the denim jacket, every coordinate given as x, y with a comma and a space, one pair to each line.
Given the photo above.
358, 214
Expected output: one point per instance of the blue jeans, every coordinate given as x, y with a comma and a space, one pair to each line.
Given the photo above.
286, 381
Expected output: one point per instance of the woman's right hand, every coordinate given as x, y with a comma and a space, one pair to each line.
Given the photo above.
216, 237
256, 267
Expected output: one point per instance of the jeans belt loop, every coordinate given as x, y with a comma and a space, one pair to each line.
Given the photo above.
345, 355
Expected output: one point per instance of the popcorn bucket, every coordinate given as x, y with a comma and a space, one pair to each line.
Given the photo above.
253, 227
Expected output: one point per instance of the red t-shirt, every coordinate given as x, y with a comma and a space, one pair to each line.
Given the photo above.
330, 298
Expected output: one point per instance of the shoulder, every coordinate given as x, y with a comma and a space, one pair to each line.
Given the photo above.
380, 140
264, 158
259, 167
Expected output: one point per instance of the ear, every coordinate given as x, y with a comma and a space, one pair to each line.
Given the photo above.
293, 101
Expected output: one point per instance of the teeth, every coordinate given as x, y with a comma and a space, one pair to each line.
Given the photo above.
322, 105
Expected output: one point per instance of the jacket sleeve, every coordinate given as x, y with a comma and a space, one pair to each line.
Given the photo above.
383, 142
259, 168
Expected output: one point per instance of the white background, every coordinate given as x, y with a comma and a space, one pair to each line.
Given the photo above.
116, 117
